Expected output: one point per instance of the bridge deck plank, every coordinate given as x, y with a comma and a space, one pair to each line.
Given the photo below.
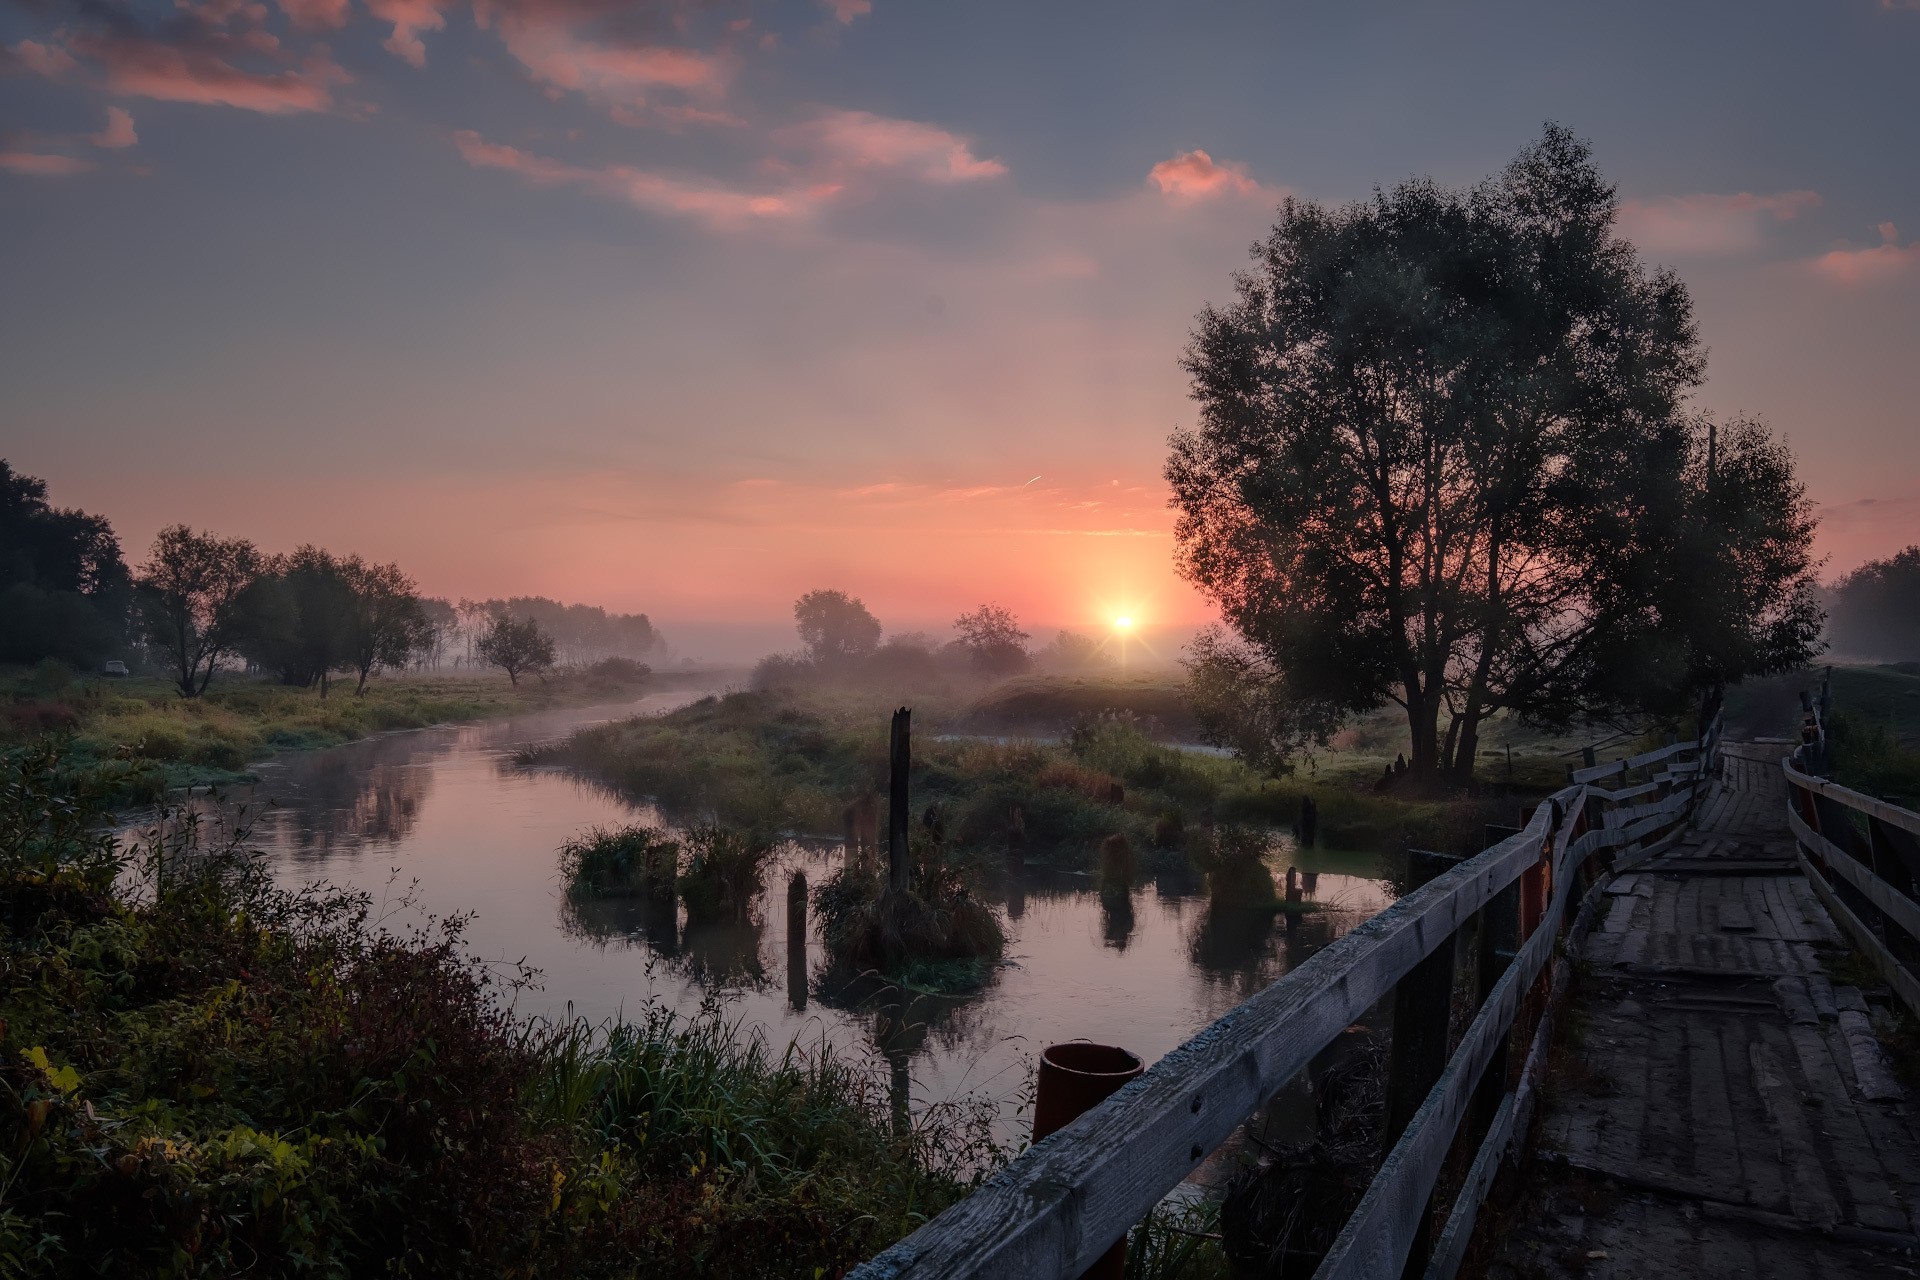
1707, 1123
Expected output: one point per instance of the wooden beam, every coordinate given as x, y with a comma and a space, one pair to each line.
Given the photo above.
1057, 1207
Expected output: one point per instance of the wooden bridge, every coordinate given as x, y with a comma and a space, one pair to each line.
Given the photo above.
1719, 1104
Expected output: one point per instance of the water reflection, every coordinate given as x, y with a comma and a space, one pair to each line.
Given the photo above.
1144, 969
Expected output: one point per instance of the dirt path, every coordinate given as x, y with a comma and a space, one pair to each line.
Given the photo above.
1721, 1107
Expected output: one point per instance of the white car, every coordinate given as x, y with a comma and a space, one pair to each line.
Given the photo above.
114, 668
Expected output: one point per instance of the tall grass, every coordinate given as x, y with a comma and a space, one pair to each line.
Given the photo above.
631, 861
208, 1075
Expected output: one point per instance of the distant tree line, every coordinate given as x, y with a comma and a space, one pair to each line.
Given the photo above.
203, 603
843, 641
1873, 613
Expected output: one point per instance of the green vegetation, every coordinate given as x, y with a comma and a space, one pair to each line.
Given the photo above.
212, 738
722, 875
794, 760
206, 1075
633, 861
935, 935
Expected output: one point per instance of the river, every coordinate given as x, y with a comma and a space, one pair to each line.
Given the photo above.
441, 822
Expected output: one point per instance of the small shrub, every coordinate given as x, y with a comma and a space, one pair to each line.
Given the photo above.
722, 876
938, 918
633, 861
1234, 860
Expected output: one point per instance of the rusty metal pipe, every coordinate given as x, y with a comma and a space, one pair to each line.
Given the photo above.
1074, 1078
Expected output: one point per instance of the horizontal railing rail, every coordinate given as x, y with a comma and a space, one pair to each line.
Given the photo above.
1861, 855
1059, 1206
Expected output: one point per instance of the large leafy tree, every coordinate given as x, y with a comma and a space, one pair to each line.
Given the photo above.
63, 584
190, 593
515, 645
1441, 461
385, 623
835, 627
993, 640
294, 618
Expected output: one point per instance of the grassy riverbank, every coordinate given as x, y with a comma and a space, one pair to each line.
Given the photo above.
794, 760
207, 1075
239, 719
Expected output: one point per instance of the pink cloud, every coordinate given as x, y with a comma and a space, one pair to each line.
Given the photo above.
1195, 175
409, 19
848, 10
710, 202
38, 165
119, 131
621, 74
47, 60
1883, 261
316, 15
861, 140
202, 72
1710, 224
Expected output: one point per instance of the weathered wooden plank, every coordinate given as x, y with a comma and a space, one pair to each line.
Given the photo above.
1058, 1206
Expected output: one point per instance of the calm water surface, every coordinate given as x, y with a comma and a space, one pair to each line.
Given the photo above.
444, 817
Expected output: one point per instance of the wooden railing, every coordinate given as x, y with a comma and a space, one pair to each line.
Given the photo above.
1054, 1210
1861, 855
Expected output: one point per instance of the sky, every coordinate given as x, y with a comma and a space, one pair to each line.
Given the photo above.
691, 307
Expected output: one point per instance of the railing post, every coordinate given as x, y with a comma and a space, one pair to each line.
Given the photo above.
1499, 942
1422, 1004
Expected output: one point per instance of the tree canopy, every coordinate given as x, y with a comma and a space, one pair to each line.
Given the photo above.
516, 645
835, 627
1442, 460
993, 640
63, 585
190, 594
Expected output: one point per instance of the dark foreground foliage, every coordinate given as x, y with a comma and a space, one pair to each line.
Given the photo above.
207, 1075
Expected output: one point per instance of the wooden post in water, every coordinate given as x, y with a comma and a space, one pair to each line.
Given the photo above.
1421, 1004
899, 764
797, 942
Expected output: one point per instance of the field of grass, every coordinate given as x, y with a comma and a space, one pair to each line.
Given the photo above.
207, 1076
241, 719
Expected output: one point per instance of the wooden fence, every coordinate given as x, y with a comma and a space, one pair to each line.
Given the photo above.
1054, 1210
1861, 855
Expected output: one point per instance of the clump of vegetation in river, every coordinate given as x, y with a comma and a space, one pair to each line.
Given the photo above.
937, 933
722, 876
1234, 859
207, 1074
622, 862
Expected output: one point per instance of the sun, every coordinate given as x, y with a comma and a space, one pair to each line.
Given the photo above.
1123, 623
